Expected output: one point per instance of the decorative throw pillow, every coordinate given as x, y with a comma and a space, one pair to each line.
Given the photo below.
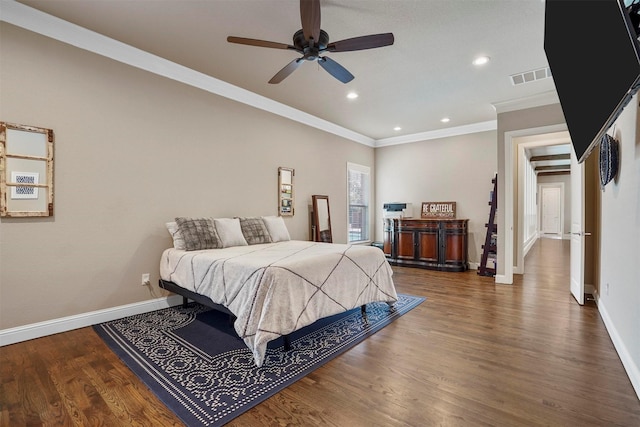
254, 230
198, 233
176, 235
277, 228
229, 232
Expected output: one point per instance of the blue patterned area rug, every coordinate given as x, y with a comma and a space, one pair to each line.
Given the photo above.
192, 359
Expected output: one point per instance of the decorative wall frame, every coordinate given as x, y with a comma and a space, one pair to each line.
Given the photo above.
26, 171
285, 191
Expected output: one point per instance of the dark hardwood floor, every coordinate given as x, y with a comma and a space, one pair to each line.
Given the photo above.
474, 353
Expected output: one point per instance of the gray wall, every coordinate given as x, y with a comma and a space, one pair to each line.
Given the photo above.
619, 295
132, 151
457, 169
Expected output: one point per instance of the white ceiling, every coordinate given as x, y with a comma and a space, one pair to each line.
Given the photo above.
426, 75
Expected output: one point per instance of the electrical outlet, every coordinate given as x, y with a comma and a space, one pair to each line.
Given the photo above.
145, 279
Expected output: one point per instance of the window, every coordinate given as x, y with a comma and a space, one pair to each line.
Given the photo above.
359, 193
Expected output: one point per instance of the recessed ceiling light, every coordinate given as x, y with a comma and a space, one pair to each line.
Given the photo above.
397, 128
352, 95
481, 60
445, 120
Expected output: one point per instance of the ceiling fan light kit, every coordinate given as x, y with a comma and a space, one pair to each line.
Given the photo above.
311, 42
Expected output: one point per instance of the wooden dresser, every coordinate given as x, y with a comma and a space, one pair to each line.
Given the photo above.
436, 244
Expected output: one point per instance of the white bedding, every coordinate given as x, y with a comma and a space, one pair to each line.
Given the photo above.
274, 289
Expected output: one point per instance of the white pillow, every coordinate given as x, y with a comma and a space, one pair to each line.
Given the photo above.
176, 235
230, 232
277, 228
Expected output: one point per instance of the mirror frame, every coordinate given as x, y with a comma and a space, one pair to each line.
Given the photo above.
6, 184
321, 235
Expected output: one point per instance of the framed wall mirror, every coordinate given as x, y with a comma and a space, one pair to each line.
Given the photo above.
26, 171
321, 219
285, 191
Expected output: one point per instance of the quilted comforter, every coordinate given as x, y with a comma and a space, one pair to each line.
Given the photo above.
274, 289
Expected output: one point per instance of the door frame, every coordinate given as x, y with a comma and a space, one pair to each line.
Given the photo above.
506, 245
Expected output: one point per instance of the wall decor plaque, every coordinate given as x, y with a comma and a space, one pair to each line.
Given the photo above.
438, 210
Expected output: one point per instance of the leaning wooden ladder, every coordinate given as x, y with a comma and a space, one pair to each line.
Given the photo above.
488, 261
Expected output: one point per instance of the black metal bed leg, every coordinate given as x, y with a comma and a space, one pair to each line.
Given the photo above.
363, 310
287, 342
185, 302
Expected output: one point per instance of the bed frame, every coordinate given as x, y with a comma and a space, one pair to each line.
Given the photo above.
204, 300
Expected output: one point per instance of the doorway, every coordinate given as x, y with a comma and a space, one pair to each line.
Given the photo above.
551, 210
513, 246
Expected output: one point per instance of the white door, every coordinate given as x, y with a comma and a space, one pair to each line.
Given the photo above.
577, 231
551, 210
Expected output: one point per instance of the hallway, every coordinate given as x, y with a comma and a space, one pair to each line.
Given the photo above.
547, 269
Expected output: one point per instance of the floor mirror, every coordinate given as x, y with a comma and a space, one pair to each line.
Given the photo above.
321, 219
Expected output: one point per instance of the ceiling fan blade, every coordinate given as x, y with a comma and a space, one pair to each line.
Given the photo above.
361, 43
310, 17
335, 69
260, 43
288, 69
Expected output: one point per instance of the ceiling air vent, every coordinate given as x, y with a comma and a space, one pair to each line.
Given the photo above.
530, 76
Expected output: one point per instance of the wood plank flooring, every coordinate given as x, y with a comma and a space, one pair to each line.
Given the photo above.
474, 354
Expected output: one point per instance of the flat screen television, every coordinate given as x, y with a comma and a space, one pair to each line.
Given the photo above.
593, 52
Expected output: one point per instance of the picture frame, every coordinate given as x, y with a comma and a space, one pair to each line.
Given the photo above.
27, 191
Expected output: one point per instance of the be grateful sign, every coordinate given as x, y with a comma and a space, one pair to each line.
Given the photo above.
438, 210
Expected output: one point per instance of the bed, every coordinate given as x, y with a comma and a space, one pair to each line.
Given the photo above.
275, 288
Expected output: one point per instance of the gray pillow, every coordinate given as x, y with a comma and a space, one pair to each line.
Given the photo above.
198, 233
254, 230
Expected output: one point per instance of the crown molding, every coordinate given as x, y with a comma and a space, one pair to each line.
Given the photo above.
546, 98
440, 133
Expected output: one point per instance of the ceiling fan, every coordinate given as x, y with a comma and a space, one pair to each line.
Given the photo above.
311, 42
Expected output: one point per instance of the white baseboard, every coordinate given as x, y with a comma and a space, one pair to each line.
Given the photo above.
502, 279
528, 245
64, 324
474, 265
627, 361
